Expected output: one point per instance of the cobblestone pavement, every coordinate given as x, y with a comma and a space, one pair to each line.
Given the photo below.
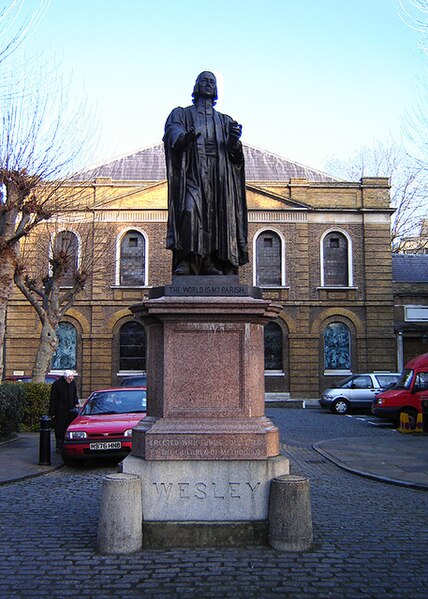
370, 538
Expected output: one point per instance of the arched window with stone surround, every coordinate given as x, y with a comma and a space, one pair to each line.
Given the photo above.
132, 347
335, 266
66, 253
132, 261
337, 347
268, 259
273, 342
65, 356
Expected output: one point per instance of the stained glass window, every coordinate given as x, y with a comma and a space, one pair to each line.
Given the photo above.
65, 356
268, 260
337, 347
132, 259
132, 347
273, 347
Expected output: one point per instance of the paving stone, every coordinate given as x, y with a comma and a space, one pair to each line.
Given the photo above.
370, 538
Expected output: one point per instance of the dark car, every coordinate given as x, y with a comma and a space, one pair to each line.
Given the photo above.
103, 426
49, 378
137, 380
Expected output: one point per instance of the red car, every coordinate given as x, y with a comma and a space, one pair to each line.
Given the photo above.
103, 426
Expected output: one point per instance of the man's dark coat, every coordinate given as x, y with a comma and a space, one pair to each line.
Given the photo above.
63, 399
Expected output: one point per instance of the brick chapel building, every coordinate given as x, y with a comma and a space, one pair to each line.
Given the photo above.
318, 245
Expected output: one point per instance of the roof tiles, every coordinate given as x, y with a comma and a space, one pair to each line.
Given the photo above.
410, 268
149, 165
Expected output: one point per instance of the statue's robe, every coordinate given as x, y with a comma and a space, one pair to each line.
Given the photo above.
207, 210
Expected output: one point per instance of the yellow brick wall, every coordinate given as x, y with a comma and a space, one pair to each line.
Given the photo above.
368, 309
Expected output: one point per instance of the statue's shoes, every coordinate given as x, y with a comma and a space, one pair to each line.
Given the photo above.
182, 269
212, 270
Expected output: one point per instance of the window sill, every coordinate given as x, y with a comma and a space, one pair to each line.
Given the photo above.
60, 372
130, 372
274, 373
130, 286
344, 372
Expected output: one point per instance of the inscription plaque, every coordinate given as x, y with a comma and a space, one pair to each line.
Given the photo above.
209, 286
206, 491
203, 447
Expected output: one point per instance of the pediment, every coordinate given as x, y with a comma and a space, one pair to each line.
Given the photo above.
259, 198
155, 197
133, 197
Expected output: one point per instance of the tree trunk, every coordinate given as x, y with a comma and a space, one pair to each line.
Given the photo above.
47, 346
7, 268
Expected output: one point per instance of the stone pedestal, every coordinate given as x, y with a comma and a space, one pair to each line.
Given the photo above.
214, 491
120, 522
290, 517
206, 451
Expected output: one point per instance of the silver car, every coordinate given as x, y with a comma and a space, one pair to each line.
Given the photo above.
357, 391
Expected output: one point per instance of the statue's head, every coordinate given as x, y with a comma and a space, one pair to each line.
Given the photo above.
205, 87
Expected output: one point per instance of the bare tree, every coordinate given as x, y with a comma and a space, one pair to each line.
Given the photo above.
57, 261
18, 21
41, 138
414, 14
17, 24
409, 185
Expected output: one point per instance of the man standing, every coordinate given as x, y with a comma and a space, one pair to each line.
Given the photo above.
207, 210
62, 401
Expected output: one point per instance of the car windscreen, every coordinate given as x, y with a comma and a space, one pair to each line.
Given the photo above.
344, 383
387, 380
405, 379
116, 402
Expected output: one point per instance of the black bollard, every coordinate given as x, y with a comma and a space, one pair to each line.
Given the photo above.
45, 441
424, 414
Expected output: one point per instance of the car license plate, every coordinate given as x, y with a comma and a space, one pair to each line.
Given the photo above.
105, 445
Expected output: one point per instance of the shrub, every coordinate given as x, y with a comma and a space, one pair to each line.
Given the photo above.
36, 404
21, 406
12, 402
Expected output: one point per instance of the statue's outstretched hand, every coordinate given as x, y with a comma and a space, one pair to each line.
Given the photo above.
235, 132
190, 136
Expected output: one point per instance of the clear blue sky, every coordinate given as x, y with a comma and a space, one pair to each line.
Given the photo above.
307, 79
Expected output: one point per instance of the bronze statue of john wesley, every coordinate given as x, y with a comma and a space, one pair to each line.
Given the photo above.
207, 209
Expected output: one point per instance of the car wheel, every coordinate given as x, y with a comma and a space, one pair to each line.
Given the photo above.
413, 415
340, 406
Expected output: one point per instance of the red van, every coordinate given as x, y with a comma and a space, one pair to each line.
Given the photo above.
405, 396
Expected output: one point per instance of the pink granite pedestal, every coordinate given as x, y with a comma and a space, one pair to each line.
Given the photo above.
206, 452
206, 380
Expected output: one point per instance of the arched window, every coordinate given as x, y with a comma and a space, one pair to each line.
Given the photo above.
273, 347
132, 259
66, 256
65, 357
337, 347
268, 260
132, 352
335, 260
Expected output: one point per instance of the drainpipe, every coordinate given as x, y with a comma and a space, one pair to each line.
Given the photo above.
400, 352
